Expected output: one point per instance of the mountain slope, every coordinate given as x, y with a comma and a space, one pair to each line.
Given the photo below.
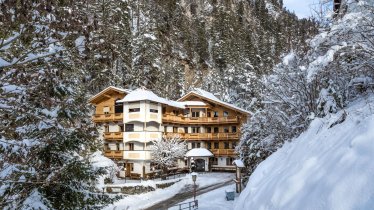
330, 166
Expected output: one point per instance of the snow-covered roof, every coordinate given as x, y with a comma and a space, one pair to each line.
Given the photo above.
147, 95
238, 163
193, 103
121, 90
199, 152
212, 97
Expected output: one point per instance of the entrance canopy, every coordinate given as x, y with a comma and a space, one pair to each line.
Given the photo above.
199, 152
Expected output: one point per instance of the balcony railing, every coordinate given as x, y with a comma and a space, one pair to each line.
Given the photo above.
107, 117
224, 152
199, 120
113, 153
113, 135
206, 136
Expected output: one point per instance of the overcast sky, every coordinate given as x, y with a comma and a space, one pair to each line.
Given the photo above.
302, 8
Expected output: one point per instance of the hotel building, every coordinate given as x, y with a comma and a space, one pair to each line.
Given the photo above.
130, 120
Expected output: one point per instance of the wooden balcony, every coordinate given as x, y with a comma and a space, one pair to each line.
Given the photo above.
107, 117
206, 136
199, 120
116, 154
224, 152
113, 136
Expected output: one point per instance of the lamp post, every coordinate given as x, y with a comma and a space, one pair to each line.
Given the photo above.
194, 176
125, 174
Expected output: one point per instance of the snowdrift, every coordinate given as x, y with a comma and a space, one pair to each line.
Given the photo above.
330, 166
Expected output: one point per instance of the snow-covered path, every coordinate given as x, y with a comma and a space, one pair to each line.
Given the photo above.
145, 200
214, 199
188, 193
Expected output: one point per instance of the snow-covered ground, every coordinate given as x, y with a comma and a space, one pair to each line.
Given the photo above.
145, 200
330, 166
214, 199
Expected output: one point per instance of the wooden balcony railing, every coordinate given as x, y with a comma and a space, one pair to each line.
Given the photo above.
199, 120
113, 153
107, 117
113, 136
224, 152
206, 136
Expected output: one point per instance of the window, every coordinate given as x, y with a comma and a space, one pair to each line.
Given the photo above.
175, 129
229, 161
118, 108
209, 145
106, 109
175, 112
226, 145
226, 129
120, 128
165, 129
198, 145
185, 129
129, 127
216, 145
195, 114
233, 129
214, 161
208, 129
106, 128
193, 145
195, 129
131, 146
225, 114
208, 114
153, 110
163, 110
134, 110
216, 130
215, 114
118, 147
106, 146
233, 145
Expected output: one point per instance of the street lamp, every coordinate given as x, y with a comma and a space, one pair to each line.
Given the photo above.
125, 174
194, 176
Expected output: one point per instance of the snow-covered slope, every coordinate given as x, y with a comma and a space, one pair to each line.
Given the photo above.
330, 166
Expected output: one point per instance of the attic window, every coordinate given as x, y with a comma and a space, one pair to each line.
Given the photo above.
106, 109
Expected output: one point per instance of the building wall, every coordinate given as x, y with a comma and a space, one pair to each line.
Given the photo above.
149, 127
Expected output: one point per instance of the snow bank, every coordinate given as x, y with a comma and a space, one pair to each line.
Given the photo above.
98, 161
330, 166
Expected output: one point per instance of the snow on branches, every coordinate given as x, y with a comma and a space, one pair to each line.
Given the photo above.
166, 151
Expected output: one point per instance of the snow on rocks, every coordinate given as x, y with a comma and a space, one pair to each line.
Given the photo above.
324, 168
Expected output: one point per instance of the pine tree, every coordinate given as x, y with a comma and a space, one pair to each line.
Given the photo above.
45, 139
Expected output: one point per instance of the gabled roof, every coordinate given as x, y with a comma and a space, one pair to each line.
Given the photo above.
212, 98
147, 95
110, 88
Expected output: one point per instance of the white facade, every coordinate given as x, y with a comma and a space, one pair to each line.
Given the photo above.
142, 125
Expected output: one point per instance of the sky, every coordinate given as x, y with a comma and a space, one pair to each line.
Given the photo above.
302, 8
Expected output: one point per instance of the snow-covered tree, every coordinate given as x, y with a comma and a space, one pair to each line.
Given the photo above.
167, 151
45, 140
